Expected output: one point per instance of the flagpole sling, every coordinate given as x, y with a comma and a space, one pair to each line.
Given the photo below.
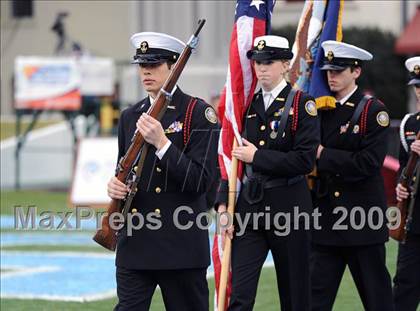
224, 274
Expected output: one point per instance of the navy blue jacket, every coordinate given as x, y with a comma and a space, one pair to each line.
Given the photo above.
181, 178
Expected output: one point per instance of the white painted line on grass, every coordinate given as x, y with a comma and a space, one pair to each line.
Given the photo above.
35, 134
18, 270
85, 298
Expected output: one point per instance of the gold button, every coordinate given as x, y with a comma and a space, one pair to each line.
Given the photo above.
158, 169
157, 211
336, 194
135, 168
262, 128
134, 210
262, 143
158, 190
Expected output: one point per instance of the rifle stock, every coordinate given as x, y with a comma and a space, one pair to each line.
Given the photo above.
106, 235
400, 232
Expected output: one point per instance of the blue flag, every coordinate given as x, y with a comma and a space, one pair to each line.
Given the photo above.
332, 30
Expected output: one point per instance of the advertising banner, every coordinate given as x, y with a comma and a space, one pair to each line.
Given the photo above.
48, 83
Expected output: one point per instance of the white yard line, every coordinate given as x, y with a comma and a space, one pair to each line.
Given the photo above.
35, 134
18, 270
86, 298
60, 253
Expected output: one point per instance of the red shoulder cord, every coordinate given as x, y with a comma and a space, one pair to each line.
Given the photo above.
188, 118
363, 119
295, 118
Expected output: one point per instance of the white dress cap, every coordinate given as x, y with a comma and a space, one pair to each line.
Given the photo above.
270, 48
156, 40
273, 41
413, 66
412, 62
345, 50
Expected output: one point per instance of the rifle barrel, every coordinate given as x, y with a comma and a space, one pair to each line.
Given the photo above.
201, 23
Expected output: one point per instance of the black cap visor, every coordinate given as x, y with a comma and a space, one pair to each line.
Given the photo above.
150, 59
154, 56
269, 54
339, 63
415, 81
333, 67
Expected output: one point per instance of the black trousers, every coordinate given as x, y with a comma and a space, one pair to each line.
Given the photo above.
185, 289
407, 278
367, 267
291, 259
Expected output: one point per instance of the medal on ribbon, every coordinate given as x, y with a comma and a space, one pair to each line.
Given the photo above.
274, 125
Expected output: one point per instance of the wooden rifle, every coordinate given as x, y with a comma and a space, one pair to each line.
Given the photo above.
106, 236
400, 233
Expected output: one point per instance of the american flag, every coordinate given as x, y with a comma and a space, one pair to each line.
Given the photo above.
252, 19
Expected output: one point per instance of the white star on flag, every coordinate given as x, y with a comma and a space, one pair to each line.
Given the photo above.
256, 3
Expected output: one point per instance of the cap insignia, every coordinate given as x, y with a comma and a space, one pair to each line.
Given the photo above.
144, 46
261, 45
330, 56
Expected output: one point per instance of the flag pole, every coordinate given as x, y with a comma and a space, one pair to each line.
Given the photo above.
224, 274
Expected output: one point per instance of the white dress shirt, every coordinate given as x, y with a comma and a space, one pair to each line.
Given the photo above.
346, 98
269, 96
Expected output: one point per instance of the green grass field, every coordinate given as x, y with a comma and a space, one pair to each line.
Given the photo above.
8, 129
42, 200
267, 297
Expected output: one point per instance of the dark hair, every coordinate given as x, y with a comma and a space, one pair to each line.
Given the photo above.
170, 63
353, 67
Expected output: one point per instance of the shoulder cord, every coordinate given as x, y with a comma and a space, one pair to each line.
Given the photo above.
295, 118
188, 120
363, 119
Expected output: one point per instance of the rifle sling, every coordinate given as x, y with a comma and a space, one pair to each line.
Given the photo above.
282, 125
357, 112
413, 196
286, 111
140, 163
133, 190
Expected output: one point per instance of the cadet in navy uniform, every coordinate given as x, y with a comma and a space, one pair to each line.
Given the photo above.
179, 167
280, 138
407, 278
349, 160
